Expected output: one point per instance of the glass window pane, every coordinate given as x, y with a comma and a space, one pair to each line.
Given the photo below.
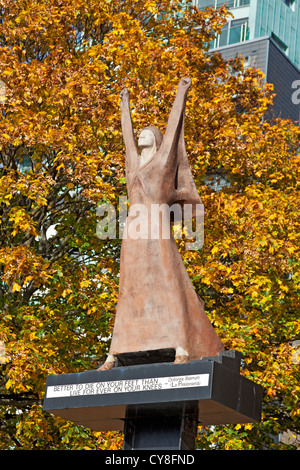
205, 3
235, 34
229, 3
223, 40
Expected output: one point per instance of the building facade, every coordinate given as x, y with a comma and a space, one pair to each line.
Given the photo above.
267, 34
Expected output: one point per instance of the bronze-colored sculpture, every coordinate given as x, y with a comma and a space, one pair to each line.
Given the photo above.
157, 305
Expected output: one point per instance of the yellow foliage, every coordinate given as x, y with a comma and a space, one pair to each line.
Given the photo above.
16, 287
62, 154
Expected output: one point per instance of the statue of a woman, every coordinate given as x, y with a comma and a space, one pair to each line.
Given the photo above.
157, 305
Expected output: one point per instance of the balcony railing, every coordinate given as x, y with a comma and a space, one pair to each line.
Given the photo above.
217, 3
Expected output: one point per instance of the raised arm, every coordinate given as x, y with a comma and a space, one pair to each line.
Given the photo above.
127, 130
176, 121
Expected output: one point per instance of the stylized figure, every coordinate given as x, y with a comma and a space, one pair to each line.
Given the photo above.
157, 304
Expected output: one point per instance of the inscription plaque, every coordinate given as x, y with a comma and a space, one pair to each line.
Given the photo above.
127, 386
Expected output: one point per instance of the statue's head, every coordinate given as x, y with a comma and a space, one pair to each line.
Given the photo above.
150, 137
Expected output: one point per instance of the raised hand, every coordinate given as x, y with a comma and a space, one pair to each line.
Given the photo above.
185, 82
124, 95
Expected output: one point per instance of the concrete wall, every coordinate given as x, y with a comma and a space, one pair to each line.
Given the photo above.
255, 51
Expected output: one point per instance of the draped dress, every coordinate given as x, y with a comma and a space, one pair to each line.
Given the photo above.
157, 304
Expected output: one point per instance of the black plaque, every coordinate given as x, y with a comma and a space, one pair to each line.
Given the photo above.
104, 400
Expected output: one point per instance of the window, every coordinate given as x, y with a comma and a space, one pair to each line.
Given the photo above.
290, 4
279, 42
250, 61
233, 32
238, 31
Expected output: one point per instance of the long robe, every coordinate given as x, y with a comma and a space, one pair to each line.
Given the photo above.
157, 304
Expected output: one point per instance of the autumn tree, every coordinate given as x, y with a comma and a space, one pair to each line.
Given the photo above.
63, 64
